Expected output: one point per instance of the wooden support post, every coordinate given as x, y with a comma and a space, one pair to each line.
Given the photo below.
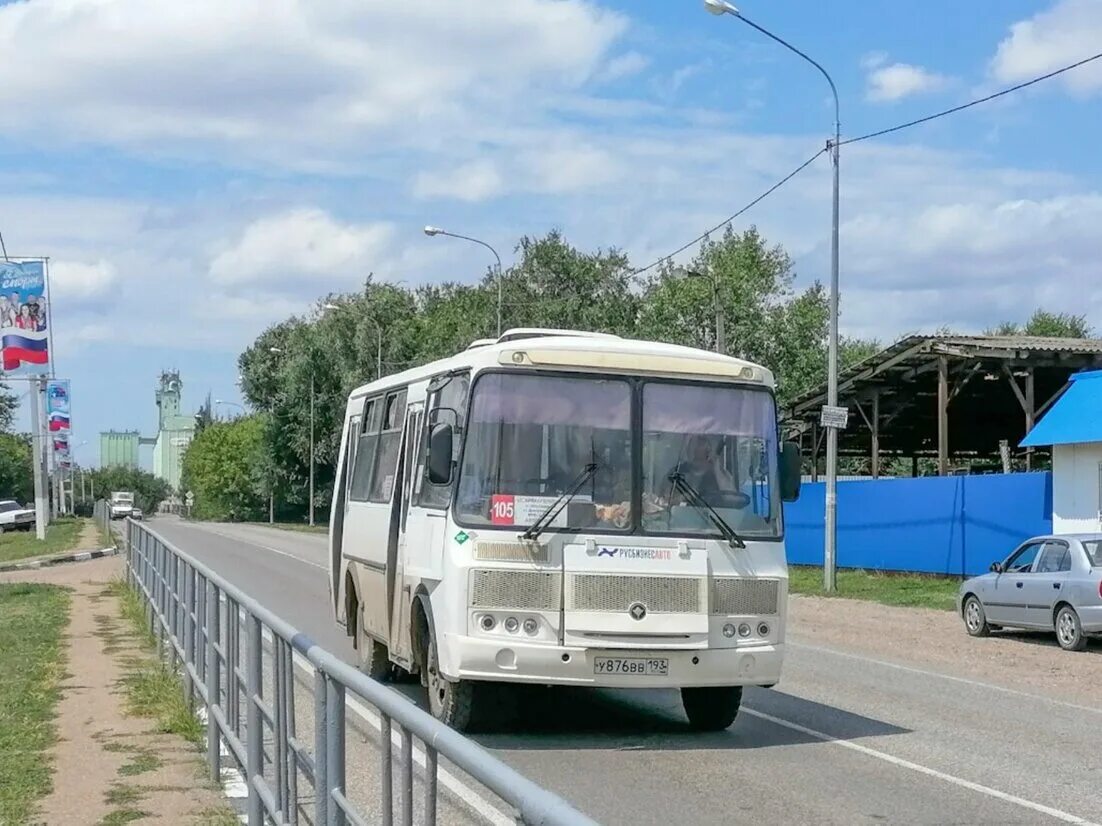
876, 434
814, 452
942, 416
1030, 407
914, 467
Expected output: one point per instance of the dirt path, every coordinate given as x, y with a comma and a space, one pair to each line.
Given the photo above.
111, 767
936, 640
89, 537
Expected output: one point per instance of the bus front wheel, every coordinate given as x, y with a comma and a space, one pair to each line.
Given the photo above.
373, 656
712, 708
452, 703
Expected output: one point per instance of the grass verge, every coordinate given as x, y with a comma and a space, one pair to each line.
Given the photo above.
910, 590
293, 526
152, 689
32, 620
61, 535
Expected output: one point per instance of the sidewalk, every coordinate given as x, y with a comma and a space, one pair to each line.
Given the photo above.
110, 766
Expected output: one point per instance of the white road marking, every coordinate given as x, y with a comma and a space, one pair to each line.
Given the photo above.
913, 670
916, 767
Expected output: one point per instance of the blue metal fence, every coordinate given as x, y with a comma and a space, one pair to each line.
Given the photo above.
941, 525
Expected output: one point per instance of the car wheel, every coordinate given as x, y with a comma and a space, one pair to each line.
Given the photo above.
373, 657
1069, 631
712, 708
975, 620
454, 704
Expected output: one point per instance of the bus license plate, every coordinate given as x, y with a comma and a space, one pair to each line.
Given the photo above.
632, 666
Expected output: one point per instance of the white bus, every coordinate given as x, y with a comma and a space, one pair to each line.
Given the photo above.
566, 508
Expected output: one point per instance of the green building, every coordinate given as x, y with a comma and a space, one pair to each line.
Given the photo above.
174, 433
119, 448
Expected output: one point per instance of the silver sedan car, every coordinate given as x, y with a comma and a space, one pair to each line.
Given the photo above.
1051, 583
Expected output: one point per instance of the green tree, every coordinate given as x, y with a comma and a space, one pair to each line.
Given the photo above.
148, 490
16, 467
221, 468
1047, 324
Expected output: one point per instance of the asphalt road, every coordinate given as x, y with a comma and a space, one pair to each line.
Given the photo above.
842, 739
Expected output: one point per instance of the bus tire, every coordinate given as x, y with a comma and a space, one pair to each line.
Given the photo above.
711, 708
372, 656
452, 703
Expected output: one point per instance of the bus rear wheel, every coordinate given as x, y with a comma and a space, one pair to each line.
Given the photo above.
711, 708
373, 657
454, 704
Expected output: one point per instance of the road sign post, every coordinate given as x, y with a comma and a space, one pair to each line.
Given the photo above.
833, 418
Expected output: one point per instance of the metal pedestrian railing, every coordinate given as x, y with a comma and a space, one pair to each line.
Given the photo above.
197, 618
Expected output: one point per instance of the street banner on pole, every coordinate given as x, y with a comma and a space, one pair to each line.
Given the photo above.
57, 405
24, 328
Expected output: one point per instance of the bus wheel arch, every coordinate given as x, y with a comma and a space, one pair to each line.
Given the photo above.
351, 608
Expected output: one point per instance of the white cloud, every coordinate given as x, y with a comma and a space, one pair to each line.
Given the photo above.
301, 243
308, 83
891, 82
80, 279
625, 65
1069, 31
474, 181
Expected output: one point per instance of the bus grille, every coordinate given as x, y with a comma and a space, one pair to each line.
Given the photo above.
745, 597
510, 552
526, 590
616, 594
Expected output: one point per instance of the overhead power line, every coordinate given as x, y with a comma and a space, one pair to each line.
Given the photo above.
731, 218
972, 103
869, 136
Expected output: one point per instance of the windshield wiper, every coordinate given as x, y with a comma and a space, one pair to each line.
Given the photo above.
697, 501
544, 520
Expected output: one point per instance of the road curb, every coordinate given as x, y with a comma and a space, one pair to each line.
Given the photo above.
48, 562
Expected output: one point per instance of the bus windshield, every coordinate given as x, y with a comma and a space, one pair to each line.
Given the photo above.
531, 439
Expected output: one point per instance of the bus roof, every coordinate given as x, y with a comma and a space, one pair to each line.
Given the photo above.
582, 351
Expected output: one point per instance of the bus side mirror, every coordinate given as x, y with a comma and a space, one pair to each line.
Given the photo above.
440, 454
790, 471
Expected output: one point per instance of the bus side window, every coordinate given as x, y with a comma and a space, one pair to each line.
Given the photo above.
365, 450
350, 455
389, 443
447, 404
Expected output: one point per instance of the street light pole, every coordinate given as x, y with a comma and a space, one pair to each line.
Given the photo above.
720, 7
721, 339
433, 231
311, 449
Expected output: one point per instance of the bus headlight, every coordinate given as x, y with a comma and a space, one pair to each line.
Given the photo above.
763, 629
728, 630
487, 622
744, 629
531, 627
511, 625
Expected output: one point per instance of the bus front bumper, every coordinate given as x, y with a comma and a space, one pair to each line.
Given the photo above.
497, 661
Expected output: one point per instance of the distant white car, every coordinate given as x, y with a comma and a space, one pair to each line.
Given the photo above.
136, 513
15, 517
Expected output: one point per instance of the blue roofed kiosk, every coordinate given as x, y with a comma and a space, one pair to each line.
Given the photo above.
1073, 427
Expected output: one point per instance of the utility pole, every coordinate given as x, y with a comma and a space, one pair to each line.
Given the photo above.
721, 339
41, 505
311, 449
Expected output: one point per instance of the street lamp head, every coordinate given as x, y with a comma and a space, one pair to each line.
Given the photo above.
718, 7
275, 350
681, 273
431, 230
330, 306
219, 401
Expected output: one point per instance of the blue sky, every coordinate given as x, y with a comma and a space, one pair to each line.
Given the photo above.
198, 171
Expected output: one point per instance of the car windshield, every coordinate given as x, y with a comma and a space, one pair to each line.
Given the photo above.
1093, 548
123, 498
723, 442
6, 507
531, 438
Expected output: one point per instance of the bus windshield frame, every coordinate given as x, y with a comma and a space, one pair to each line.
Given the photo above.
549, 425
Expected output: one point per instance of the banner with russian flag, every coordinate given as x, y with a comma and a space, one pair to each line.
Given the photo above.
57, 405
24, 330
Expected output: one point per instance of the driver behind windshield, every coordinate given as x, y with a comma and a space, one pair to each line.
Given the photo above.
703, 470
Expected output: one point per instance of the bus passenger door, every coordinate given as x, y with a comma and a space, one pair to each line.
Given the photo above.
401, 650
